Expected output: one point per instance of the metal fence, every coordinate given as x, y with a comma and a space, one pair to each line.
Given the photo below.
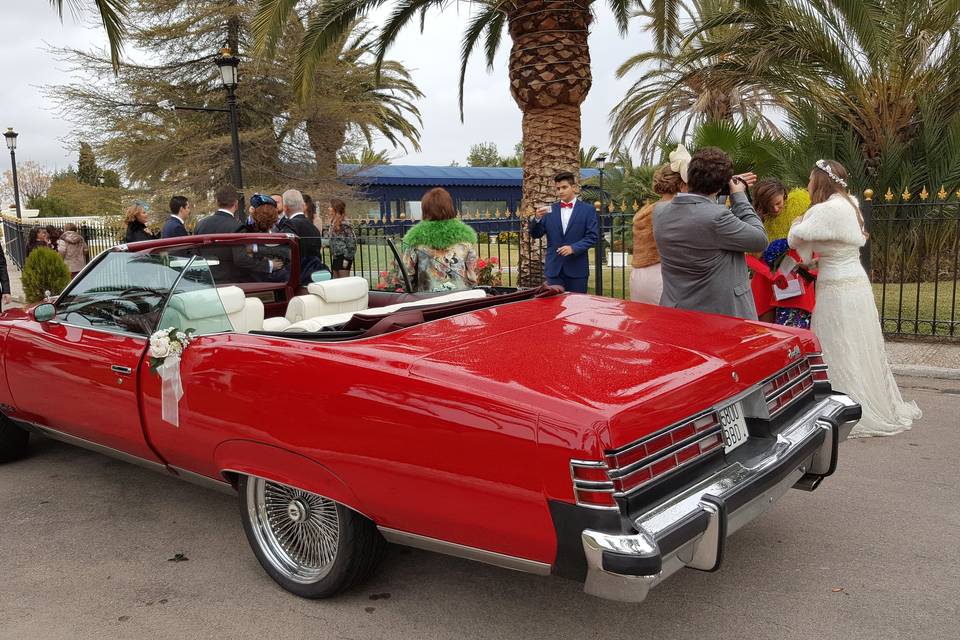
912, 255
98, 234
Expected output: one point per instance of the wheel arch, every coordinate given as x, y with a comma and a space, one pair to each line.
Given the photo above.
246, 457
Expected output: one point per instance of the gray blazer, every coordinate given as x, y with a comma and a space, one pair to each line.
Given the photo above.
701, 246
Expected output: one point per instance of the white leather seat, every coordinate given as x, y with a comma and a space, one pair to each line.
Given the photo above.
341, 295
202, 310
315, 324
245, 314
275, 324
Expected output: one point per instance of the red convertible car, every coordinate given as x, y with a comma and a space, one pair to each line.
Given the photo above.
554, 433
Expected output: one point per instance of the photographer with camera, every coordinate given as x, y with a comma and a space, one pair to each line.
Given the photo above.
702, 243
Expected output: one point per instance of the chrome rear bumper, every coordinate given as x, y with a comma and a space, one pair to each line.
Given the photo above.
690, 528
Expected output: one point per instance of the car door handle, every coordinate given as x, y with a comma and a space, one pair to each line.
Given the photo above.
121, 370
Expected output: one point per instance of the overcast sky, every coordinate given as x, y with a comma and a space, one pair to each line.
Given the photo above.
433, 58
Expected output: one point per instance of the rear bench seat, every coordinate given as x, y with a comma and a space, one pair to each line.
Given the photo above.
312, 325
343, 295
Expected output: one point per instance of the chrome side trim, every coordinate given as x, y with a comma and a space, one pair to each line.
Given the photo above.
462, 551
203, 481
92, 446
595, 486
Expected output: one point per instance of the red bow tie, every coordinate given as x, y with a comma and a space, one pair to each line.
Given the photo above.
566, 205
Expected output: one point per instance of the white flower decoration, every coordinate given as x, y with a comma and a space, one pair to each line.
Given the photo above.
160, 346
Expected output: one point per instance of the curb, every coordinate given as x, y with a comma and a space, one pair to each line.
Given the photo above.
922, 371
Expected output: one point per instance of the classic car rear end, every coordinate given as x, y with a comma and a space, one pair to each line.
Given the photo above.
694, 425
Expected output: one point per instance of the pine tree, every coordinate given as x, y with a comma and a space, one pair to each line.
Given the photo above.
44, 271
87, 170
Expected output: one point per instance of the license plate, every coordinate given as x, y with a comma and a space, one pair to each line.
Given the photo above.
733, 426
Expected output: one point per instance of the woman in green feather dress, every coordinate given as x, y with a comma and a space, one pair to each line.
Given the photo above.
438, 252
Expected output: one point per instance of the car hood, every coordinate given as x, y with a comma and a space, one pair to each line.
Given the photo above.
585, 358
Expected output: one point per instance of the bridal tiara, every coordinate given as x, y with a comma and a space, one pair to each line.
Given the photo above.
824, 166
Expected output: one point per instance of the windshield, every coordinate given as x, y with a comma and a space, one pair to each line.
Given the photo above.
123, 292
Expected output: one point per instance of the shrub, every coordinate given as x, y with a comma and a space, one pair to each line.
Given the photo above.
508, 237
44, 270
483, 238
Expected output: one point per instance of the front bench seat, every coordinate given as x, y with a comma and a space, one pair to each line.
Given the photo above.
245, 314
342, 295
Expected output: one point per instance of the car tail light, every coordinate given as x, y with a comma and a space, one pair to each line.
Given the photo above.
782, 389
818, 367
642, 462
591, 484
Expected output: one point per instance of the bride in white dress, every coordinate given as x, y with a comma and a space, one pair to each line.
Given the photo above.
845, 319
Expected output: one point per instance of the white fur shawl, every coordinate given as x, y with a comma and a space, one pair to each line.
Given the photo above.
834, 220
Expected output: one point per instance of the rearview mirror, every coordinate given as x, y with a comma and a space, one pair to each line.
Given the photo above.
44, 312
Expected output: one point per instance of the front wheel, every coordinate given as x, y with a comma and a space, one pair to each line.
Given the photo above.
310, 545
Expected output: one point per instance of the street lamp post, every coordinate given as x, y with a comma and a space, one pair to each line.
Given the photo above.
229, 75
11, 137
600, 162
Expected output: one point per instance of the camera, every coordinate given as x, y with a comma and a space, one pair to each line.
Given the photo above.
725, 191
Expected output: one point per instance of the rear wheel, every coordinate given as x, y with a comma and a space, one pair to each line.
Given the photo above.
14, 441
312, 546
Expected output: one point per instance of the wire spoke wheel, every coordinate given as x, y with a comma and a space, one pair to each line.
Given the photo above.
297, 531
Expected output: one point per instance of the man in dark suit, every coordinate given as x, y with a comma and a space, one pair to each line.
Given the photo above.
224, 220
571, 228
296, 222
175, 226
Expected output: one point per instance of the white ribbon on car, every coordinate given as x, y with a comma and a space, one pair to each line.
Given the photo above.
171, 389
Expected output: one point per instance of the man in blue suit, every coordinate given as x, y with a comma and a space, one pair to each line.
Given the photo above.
571, 229
174, 227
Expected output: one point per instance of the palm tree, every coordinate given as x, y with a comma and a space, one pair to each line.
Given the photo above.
359, 96
112, 14
367, 157
679, 92
549, 71
887, 72
588, 157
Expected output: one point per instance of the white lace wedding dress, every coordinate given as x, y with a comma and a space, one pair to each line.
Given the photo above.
846, 320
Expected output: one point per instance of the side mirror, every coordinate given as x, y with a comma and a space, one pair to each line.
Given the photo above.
44, 312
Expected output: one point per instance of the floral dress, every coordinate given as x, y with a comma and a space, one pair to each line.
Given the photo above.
452, 268
438, 255
343, 243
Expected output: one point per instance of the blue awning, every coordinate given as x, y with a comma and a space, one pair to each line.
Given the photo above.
430, 176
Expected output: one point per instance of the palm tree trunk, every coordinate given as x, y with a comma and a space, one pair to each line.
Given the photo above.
549, 80
551, 142
326, 137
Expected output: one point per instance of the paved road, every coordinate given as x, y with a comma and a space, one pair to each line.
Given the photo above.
873, 554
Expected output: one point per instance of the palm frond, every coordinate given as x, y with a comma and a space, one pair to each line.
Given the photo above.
481, 22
